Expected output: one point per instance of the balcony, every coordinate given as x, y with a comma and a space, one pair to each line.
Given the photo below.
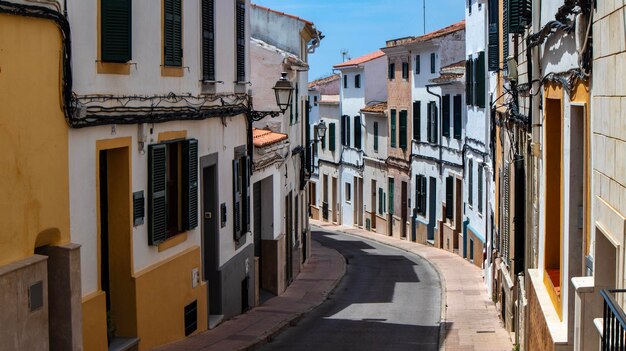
613, 321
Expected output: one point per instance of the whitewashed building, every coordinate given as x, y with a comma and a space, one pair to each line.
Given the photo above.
362, 83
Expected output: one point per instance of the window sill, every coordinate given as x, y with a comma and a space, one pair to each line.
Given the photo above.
113, 68
173, 241
169, 71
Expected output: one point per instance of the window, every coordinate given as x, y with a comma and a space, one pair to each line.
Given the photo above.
390, 191
357, 81
432, 63
479, 80
519, 15
432, 123
405, 70
392, 71
315, 100
417, 120
505, 30
458, 116
357, 132
493, 50
331, 136
393, 128
469, 81
420, 194
345, 131
241, 196
418, 64
241, 40
375, 136
348, 195
173, 33
381, 199
116, 26
469, 6
470, 173
480, 189
208, 40
403, 129
449, 197
172, 189
445, 116
345, 81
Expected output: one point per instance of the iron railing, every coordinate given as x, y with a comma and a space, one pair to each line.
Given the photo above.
614, 322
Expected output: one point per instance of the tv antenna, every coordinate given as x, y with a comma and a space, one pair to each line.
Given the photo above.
344, 55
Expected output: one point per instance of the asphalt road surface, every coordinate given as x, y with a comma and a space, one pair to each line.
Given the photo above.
388, 300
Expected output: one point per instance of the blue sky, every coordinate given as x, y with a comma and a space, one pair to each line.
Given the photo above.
362, 26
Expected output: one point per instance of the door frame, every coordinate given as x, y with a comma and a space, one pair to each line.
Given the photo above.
213, 272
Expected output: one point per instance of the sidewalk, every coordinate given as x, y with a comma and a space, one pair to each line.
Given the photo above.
470, 317
315, 282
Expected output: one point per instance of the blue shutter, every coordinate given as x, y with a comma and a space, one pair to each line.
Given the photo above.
157, 194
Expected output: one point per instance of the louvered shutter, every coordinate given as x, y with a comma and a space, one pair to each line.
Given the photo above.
505, 30
391, 71
357, 132
391, 205
480, 189
237, 228
493, 52
345, 81
403, 129
432, 63
405, 70
245, 193
519, 15
424, 192
157, 195
433, 123
445, 116
470, 190
458, 116
116, 27
429, 124
190, 184
208, 40
332, 137
347, 130
505, 217
480, 79
475, 79
241, 41
375, 136
449, 197
343, 130
393, 128
418, 193
417, 120
380, 201
418, 64
468, 81
173, 51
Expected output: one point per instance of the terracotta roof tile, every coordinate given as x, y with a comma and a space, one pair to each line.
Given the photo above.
428, 36
376, 108
324, 80
264, 137
359, 60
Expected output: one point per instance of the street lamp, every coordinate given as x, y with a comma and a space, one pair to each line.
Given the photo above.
320, 131
283, 91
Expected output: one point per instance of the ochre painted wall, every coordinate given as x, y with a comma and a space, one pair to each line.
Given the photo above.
94, 322
33, 138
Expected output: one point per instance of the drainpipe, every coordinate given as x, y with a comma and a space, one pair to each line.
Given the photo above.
440, 126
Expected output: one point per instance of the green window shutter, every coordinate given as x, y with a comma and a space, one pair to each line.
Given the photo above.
458, 116
393, 128
116, 29
390, 191
418, 194
468, 81
157, 194
445, 116
357, 81
475, 82
190, 184
381, 207
173, 33
245, 193
345, 81
432, 123
432, 63
343, 130
480, 189
417, 120
392, 70
357, 132
470, 170
449, 197
375, 136
296, 101
347, 130
418, 64
237, 184
505, 30
493, 50
332, 138
424, 191
241, 40
208, 40
480, 80
520, 12
405, 70
403, 134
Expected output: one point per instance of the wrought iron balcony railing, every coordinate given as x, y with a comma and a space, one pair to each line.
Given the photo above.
614, 322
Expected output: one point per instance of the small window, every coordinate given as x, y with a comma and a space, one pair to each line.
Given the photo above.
405, 70
357, 81
315, 100
392, 71
345, 81
432, 63
470, 171
381, 201
376, 136
393, 128
418, 64
173, 33
348, 195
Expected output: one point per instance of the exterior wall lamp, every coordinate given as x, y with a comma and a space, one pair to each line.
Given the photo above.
320, 131
283, 91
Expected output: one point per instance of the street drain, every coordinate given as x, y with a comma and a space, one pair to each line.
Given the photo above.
485, 331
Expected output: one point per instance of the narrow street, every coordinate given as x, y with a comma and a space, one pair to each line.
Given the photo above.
388, 300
